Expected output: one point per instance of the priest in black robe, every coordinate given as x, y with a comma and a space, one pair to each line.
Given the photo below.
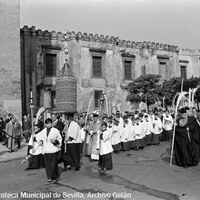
183, 143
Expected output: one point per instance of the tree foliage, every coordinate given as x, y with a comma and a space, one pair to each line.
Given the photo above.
147, 88
173, 86
170, 88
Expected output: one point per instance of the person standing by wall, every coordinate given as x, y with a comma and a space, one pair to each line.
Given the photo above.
18, 130
10, 133
8, 117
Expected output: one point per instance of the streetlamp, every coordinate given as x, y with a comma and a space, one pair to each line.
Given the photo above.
31, 108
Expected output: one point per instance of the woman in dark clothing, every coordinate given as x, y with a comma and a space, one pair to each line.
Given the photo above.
183, 143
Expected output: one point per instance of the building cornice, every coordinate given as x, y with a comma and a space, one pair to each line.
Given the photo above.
105, 39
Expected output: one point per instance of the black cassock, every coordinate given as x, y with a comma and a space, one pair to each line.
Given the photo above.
36, 162
195, 137
184, 148
72, 156
51, 165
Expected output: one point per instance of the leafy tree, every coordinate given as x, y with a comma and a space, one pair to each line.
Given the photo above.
172, 86
193, 82
145, 88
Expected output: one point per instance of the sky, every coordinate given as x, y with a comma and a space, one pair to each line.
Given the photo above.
174, 22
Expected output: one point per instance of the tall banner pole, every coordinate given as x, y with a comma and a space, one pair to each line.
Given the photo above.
174, 99
31, 108
182, 90
189, 101
86, 117
88, 109
182, 85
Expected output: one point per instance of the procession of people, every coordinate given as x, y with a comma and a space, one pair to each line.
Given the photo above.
66, 138
70, 136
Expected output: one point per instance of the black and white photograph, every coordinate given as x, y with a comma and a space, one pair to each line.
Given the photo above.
100, 99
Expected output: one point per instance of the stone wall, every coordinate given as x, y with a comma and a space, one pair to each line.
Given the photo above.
10, 73
113, 69
148, 56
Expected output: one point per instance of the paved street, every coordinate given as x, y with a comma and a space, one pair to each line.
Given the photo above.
139, 175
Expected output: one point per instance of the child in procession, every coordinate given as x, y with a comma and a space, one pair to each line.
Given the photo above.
105, 149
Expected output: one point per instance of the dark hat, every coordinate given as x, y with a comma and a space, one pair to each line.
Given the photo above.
48, 120
187, 108
95, 115
182, 110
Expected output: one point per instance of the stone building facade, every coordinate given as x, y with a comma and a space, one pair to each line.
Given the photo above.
100, 64
10, 68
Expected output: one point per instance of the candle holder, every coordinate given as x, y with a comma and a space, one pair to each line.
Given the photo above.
31, 104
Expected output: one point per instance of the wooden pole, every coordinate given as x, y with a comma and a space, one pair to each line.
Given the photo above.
182, 85
173, 137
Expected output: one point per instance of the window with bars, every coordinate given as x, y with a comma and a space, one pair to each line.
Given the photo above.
183, 72
97, 69
51, 64
97, 94
127, 70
